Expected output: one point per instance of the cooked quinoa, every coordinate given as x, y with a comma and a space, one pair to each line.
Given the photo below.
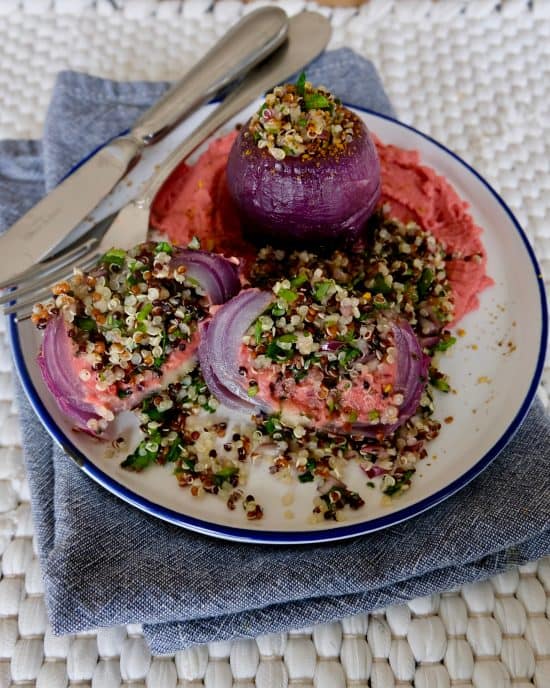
302, 120
133, 310
128, 314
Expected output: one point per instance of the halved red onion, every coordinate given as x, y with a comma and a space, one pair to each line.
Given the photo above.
323, 198
219, 360
412, 374
217, 275
220, 345
55, 360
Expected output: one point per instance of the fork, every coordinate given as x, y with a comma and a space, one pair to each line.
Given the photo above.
129, 226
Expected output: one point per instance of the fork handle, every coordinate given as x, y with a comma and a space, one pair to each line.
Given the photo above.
250, 41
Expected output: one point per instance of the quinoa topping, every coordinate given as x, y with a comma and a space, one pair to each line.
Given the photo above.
127, 315
399, 268
302, 120
320, 344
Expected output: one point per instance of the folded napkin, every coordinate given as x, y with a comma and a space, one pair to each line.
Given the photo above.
106, 563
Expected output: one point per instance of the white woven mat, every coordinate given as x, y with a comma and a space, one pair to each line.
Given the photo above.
473, 74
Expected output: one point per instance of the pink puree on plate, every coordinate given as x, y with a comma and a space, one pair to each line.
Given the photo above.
304, 396
195, 202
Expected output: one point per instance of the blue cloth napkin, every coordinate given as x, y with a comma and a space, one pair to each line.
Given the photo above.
106, 563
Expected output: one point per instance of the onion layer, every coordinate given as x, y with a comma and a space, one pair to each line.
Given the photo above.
412, 372
324, 198
218, 276
56, 365
219, 349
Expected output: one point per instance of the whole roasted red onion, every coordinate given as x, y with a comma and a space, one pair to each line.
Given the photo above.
320, 198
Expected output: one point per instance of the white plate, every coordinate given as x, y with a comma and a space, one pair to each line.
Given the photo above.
495, 369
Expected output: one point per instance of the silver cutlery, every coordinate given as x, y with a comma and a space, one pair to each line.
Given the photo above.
42, 230
129, 226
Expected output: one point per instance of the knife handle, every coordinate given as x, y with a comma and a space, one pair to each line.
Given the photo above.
251, 40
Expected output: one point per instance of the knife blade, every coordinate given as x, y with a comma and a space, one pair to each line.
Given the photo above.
44, 227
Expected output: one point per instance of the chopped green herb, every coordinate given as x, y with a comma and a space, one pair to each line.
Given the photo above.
316, 101
299, 280
442, 385
380, 286
281, 347
174, 451
288, 295
115, 256
439, 381
349, 354
257, 332
306, 477
277, 311
144, 312
445, 343
141, 458
424, 283
225, 474
321, 289
111, 322
163, 247
272, 425
288, 338
301, 84
85, 324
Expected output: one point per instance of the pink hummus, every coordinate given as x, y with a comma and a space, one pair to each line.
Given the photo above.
304, 398
195, 202
177, 363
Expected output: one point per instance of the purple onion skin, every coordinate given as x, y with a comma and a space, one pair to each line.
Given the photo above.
218, 276
324, 199
412, 376
55, 363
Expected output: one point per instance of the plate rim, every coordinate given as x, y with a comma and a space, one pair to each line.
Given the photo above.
274, 537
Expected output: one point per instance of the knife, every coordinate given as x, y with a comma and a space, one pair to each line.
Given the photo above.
129, 226
42, 228
288, 59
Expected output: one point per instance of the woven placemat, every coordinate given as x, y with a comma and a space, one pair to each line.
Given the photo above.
475, 75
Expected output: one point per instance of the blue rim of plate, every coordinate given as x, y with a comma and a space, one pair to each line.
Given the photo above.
304, 537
